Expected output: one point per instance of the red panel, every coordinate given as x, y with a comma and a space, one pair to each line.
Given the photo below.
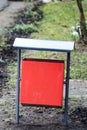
42, 82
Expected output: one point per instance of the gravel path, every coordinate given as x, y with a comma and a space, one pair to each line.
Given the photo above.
8, 14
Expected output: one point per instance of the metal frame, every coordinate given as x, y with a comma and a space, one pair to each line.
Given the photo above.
68, 51
18, 85
66, 89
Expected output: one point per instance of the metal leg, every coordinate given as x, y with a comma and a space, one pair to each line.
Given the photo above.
18, 85
67, 88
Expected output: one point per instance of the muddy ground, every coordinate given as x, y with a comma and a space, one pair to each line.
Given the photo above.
33, 118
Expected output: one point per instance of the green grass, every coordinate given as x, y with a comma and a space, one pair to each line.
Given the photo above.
2, 37
58, 19
12, 67
79, 65
28, 28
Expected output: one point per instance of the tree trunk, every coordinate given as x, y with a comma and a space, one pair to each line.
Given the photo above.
83, 36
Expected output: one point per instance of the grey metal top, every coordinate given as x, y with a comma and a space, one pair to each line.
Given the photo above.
46, 45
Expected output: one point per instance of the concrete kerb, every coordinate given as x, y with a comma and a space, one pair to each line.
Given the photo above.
78, 88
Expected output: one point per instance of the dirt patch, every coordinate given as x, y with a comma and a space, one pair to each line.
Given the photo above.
3, 76
80, 47
49, 119
80, 115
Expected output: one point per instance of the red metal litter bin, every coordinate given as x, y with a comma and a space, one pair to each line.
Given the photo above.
42, 82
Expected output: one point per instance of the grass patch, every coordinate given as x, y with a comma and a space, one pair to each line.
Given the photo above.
2, 37
27, 28
12, 67
79, 65
58, 19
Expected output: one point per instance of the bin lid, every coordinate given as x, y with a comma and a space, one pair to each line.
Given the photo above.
46, 45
